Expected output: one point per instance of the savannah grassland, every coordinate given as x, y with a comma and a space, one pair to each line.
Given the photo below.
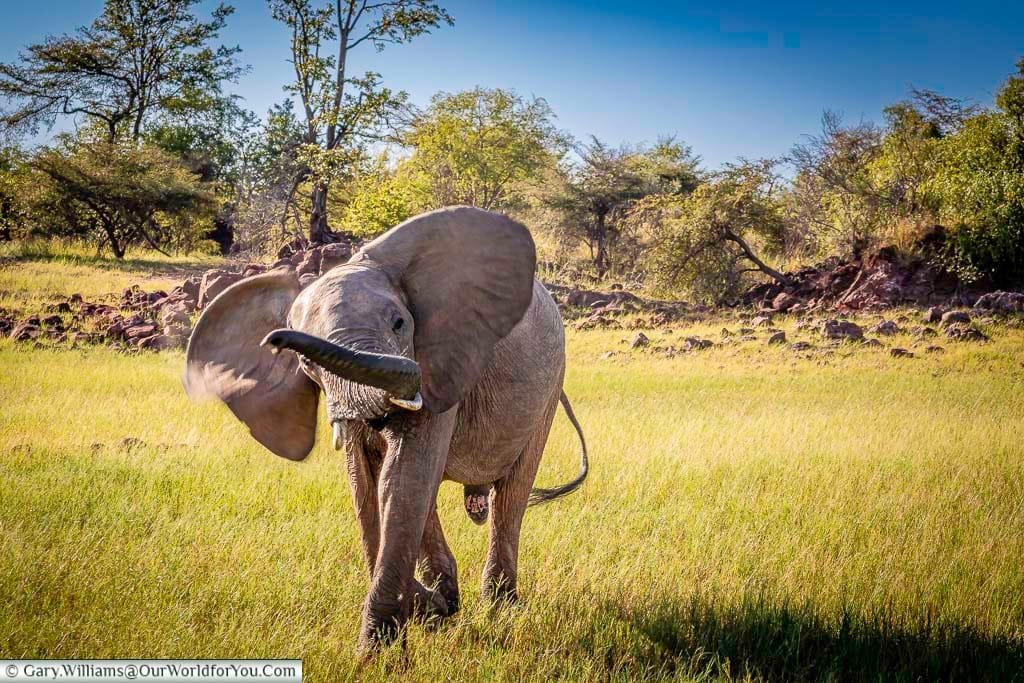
752, 512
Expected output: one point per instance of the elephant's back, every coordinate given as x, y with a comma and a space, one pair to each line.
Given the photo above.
513, 396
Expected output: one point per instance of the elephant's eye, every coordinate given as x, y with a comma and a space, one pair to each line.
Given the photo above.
397, 325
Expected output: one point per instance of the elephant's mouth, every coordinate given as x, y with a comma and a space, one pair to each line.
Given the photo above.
360, 384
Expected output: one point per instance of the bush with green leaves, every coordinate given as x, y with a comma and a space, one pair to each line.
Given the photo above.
709, 242
981, 185
117, 194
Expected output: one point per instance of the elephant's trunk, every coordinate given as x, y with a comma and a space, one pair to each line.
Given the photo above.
397, 375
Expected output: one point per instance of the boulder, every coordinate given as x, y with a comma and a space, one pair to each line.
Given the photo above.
841, 329
762, 321
934, 314
25, 331
900, 353
777, 338
1001, 302
114, 331
139, 332
161, 342
697, 344
174, 314
190, 291
887, 328
334, 255
784, 302
308, 262
953, 317
213, 283
639, 341
965, 332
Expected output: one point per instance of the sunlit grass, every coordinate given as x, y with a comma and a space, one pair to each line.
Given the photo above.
37, 272
752, 512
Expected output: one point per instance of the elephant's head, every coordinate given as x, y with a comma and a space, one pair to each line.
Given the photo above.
410, 321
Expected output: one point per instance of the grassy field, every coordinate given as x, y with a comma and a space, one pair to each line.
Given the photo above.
752, 513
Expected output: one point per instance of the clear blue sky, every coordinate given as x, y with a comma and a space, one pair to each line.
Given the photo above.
736, 79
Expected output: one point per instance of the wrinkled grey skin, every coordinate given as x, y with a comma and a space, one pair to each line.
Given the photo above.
454, 290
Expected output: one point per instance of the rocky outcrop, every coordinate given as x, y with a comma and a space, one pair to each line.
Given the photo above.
1001, 302
883, 280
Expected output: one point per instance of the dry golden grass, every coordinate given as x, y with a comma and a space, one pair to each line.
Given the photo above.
752, 512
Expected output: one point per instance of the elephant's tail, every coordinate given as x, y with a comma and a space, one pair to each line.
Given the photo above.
538, 496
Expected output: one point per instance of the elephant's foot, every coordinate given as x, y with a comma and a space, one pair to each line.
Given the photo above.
499, 589
430, 605
477, 502
380, 628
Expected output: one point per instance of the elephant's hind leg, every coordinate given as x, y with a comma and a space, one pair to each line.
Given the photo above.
437, 565
508, 505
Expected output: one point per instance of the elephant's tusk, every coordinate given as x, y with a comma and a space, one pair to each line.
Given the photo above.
413, 404
337, 436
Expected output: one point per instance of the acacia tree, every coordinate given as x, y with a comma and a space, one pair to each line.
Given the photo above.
594, 196
121, 192
138, 57
344, 113
709, 244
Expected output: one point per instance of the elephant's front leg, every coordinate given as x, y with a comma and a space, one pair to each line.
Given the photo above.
364, 453
417, 446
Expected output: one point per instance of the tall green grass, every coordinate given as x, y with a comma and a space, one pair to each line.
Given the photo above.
752, 513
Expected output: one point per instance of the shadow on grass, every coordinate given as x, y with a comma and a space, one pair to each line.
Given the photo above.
758, 639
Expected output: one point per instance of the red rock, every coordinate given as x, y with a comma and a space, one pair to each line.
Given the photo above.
140, 331
308, 262
784, 301
174, 313
114, 331
159, 342
213, 283
25, 331
334, 255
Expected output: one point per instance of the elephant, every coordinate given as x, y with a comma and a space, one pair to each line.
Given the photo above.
440, 357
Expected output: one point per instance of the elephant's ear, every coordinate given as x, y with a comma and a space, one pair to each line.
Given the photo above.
269, 393
468, 275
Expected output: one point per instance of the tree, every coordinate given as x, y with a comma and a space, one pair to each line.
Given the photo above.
137, 58
217, 144
836, 196
980, 185
12, 171
478, 147
344, 113
592, 198
709, 246
122, 193
381, 198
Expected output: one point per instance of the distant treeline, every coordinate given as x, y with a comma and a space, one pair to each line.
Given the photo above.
162, 156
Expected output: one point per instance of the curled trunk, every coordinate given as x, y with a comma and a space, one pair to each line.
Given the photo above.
396, 375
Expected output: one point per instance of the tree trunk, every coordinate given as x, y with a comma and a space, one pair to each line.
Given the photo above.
601, 260
318, 230
752, 257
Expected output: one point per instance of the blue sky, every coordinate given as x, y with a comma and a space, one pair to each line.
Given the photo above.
734, 79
